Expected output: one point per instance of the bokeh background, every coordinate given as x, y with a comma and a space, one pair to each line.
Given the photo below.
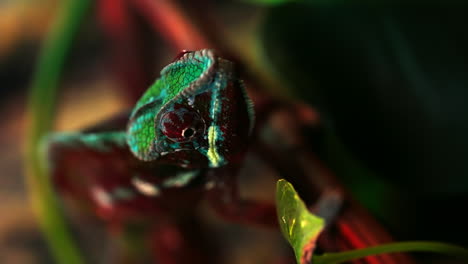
390, 83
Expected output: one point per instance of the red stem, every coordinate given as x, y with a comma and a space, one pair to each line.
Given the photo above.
355, 227
128, 58
168, 19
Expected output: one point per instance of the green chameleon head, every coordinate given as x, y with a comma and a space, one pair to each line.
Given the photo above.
197, 114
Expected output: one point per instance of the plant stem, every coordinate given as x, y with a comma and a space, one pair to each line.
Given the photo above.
40, 113
415, 246
166, 17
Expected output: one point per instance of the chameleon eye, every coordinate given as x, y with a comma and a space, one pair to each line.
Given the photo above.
182, 124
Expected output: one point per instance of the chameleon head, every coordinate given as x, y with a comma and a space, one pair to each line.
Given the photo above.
197, 114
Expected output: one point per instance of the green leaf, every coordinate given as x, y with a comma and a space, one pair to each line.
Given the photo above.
301, 229
298, 225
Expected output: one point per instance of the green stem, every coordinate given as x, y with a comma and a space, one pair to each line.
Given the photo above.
41, 111
415, 246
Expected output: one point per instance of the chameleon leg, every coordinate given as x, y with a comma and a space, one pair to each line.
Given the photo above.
95, 170
64, 148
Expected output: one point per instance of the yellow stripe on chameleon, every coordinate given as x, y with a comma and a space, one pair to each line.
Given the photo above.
213, 155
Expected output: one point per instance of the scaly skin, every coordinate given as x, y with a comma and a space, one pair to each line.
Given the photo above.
198, 92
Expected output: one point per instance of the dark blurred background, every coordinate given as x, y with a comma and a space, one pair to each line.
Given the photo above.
390, 83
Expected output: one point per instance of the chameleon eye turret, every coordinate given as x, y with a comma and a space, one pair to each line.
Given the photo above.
182, 124
197, 114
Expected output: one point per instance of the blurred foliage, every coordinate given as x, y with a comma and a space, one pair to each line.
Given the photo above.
23, 20
390, 82
22, 23
391, 79
41, 110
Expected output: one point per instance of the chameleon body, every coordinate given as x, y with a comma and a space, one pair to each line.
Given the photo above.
195, 117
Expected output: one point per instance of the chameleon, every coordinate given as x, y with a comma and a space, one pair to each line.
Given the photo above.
196, 114
194, 119
185, 139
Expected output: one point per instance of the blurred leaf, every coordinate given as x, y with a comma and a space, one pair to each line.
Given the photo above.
298, 225
390, 79
41, 109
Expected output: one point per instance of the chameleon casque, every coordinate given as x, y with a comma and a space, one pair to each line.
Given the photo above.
191, 126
